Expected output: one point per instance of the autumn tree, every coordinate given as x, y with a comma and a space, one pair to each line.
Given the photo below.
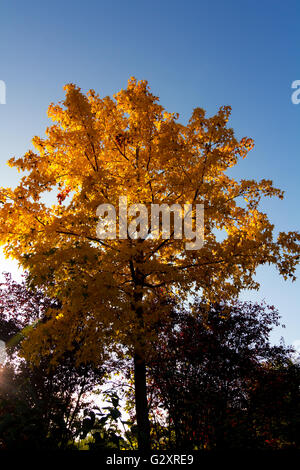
98, 149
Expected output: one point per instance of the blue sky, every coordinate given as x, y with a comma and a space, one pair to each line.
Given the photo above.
193, 53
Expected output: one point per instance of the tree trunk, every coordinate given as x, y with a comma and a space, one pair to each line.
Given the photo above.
140, 383
141, 404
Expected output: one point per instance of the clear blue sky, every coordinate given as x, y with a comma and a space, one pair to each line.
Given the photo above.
193, 53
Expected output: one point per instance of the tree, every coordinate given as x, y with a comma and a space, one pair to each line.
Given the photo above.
274, 404
98, 149
40, 405
216, 382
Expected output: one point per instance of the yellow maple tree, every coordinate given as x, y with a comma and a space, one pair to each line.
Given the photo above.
97, 150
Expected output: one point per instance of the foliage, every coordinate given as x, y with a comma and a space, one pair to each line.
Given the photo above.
40, 405
96, 150
216, 382
108, 430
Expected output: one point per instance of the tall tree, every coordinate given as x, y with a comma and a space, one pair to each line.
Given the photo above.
98, 149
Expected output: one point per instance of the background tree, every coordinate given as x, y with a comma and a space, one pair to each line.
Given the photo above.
217, 382
274, 405
96, 150
40, 405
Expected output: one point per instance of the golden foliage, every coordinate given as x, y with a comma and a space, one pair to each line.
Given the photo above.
100, 148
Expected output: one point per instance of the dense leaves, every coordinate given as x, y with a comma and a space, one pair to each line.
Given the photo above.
219, 382
40, 405
100, 148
